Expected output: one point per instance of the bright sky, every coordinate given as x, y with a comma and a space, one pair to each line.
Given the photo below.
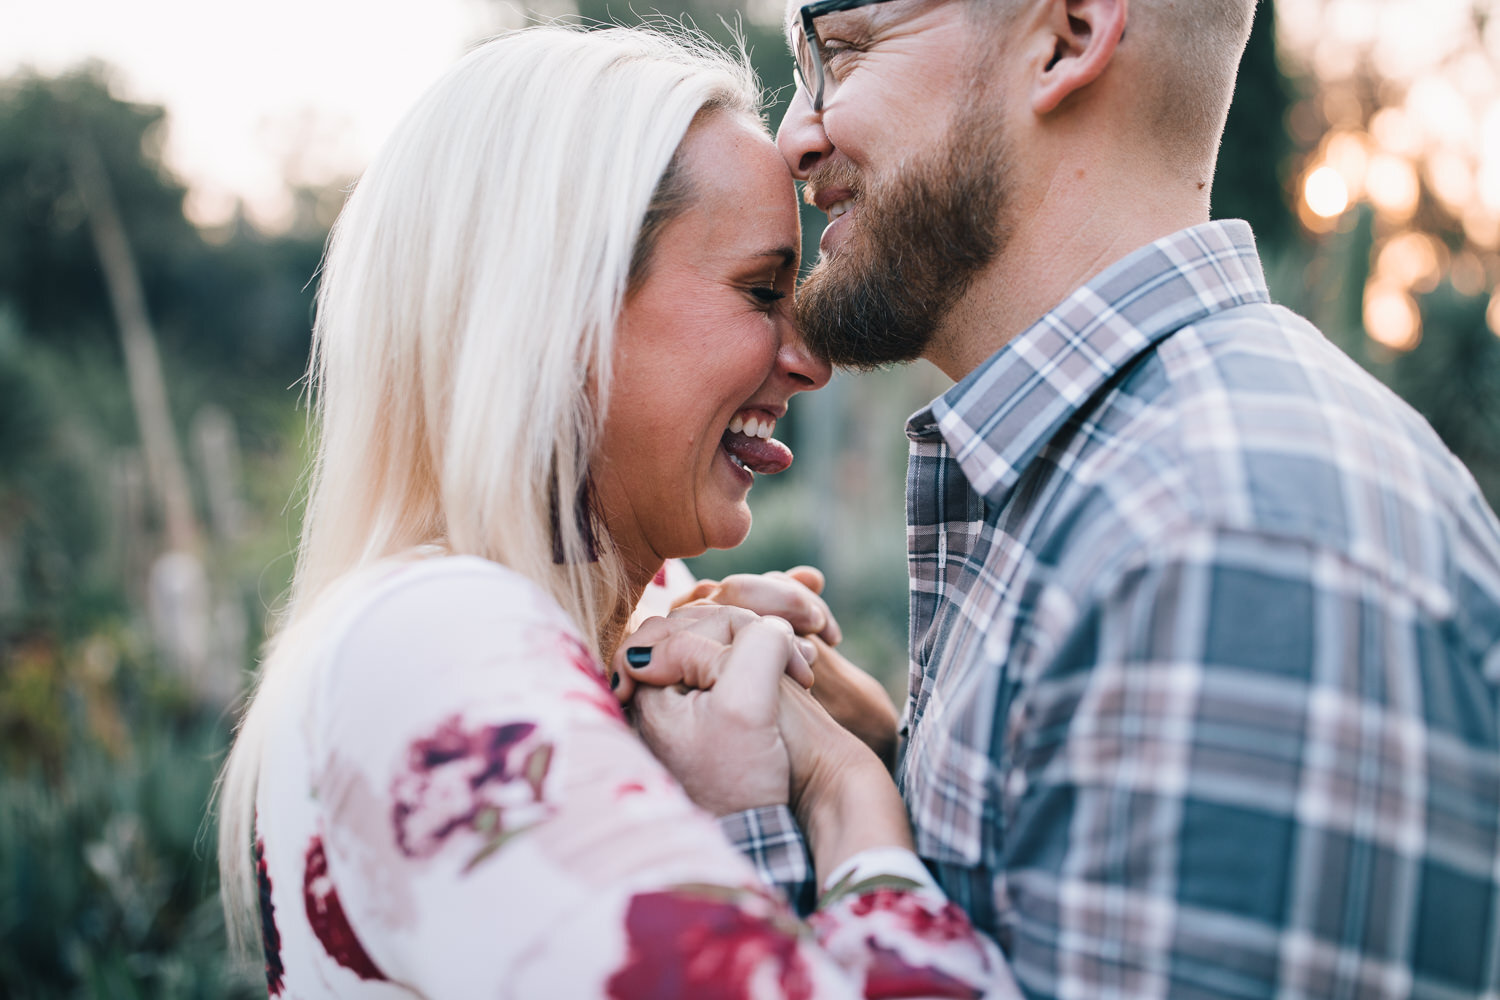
256, 91
307, 89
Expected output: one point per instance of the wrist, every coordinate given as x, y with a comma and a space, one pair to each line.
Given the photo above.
848, 806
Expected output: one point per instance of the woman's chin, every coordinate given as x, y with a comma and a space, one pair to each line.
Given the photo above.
729, 530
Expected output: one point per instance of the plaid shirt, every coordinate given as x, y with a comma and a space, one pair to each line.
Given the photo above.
1205, 665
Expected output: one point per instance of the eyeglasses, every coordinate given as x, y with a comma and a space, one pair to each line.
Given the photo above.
807, 49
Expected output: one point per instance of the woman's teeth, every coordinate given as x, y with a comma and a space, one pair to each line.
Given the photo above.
762, 427
838, 208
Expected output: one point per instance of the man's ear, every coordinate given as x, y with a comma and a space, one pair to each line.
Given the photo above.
1085, 34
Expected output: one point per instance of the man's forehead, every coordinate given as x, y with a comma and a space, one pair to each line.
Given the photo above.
874, 12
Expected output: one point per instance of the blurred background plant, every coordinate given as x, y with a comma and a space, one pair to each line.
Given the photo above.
151, 443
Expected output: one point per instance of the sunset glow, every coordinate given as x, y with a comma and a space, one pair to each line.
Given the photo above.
1327, 192
1410, 91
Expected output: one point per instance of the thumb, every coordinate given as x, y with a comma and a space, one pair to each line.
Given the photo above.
809, 576
687, 658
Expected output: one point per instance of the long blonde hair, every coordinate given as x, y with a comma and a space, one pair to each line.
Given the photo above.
464, 332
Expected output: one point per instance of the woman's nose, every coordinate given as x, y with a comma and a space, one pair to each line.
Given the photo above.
801, 138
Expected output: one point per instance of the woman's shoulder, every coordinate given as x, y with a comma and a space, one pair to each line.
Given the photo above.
411, 622
441, 638
442, 589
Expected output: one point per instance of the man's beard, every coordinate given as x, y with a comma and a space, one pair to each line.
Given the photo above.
918, 241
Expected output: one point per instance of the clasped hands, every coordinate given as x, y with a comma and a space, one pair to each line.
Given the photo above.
747, 702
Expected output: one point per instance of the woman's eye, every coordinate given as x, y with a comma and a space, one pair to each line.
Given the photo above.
766, 295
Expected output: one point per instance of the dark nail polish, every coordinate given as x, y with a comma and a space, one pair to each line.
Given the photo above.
614, 681
638, 656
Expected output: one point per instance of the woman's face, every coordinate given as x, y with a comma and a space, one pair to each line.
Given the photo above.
706, 355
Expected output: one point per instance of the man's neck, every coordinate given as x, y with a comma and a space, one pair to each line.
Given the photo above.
1061, 240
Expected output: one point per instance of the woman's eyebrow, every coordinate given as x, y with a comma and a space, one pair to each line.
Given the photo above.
788, 255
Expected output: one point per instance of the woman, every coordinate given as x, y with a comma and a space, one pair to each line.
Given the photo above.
553, 339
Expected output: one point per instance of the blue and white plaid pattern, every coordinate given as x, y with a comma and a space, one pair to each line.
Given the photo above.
770, 838
1205, 654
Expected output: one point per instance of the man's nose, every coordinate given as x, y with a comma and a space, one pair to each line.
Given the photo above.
801, 138
807, 370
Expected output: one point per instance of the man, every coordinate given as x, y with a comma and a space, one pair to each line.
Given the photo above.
1205, 648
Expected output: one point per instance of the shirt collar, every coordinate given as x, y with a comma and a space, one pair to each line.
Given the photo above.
998, 419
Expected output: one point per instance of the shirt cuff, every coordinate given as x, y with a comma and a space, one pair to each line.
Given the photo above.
878, 867
770, 838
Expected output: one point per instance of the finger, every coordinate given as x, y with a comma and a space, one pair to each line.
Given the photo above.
800, 668
701, 590
749, 675
686, 657
812, 578
776, 594
804, 652
809, 576
712, 620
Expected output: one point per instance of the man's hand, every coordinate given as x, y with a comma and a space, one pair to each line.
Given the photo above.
795, 595
842, 795
858, 701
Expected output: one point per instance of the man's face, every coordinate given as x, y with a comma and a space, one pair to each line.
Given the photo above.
908, 157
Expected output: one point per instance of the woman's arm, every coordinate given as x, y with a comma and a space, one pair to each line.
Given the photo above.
491, 825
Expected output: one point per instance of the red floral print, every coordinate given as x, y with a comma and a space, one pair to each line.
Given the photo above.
916, 916
890, 976
689, 944
270, 938
598, 694
660, 579
326, 916
488, 779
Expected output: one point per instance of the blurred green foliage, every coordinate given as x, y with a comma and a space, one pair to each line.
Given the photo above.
106, 867
107, 759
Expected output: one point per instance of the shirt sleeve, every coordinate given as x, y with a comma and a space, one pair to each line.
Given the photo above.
1226, 781
771, 840
488, 825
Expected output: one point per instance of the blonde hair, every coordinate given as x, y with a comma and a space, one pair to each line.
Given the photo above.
465, 326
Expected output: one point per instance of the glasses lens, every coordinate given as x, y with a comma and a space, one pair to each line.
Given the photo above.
807, 67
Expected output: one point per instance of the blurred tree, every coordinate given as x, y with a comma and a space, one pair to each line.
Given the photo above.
1397, 185
240, 304
1255, 156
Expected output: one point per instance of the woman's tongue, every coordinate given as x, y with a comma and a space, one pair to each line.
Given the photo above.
767, 456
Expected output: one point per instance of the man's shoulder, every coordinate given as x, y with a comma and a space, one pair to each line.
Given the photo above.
1251, 421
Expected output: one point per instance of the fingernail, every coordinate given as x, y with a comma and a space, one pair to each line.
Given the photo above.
809, 651
614, 681
638, 656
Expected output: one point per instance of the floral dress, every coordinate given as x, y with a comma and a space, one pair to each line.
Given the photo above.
454, 806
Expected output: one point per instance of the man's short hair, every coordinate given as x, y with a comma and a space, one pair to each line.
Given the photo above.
1196, 47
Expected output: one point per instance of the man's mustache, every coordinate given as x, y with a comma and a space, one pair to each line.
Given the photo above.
840, 176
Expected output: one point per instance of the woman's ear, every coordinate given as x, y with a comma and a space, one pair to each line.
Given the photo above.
1085, 34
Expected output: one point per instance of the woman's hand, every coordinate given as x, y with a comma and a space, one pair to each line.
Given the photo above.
858, 701
713, 718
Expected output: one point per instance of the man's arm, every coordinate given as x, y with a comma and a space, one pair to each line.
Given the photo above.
1231, 782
